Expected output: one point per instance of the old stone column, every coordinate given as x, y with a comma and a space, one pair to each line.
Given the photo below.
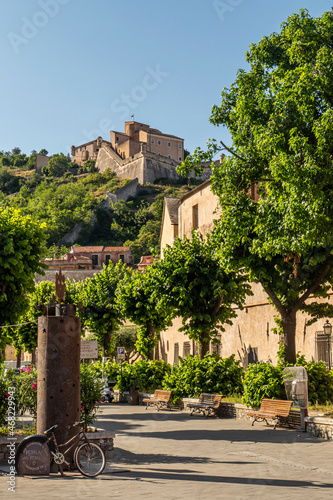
58, 385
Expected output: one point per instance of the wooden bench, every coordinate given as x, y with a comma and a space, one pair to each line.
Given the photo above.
273, 409
208, 404
160, 399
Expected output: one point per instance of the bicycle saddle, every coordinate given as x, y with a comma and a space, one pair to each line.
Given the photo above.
51, 429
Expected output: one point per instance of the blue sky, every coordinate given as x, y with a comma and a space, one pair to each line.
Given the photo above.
76, 69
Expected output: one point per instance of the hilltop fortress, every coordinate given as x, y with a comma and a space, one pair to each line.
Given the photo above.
140, 152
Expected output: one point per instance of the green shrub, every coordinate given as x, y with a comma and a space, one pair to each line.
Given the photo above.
212, 375
262, 380
320, 383
26, 392
91, 393
125, 378
149, 375
107, 370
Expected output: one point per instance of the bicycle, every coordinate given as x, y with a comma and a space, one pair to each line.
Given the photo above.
88, 457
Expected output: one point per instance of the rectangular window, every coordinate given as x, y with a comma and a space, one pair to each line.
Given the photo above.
94, 259
252, 355
180, 158
176, 354
179, 146
217, 347
169, 157
122, 258
107, 259
169, 144
195, 216
152, 141
324, 349
159, 143
186, 349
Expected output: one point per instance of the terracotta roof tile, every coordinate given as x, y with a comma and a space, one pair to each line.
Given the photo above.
88, 249
116, 249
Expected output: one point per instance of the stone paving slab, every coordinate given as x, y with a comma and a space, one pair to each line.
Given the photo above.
170, 455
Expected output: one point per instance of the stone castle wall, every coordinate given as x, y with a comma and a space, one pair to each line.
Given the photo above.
145, 166
130, 189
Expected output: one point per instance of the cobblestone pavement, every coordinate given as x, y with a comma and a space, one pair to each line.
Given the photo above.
170, 455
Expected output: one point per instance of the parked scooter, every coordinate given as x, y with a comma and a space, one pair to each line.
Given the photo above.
108, 395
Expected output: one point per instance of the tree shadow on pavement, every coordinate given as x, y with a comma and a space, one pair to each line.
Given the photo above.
166, 476
265, 435
124, 456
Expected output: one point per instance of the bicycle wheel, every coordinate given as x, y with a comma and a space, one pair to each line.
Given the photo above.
37, 460
90, 459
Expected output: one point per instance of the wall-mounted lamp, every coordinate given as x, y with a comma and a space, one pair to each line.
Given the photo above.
327, 328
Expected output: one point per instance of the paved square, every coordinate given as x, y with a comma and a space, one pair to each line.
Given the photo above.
170, 455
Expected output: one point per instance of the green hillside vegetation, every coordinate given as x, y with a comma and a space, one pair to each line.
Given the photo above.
64, 201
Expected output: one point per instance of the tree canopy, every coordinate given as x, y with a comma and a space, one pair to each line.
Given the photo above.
199, 290
101, 312
25, 336
142, 301
21, 248
57, 166
280, 117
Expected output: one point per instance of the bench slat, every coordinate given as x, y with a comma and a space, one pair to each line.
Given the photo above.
207, 402
273, 409
159, 398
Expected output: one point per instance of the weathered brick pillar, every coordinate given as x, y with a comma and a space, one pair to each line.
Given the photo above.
58, 385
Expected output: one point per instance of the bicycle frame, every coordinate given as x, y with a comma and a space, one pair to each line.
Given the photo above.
75, 440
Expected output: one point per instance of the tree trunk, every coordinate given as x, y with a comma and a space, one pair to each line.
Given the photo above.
289, 329
106, 343
18, 359
33, 357
151, 335
204, 344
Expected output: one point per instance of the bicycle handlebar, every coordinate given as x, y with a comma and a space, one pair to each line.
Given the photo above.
70, 426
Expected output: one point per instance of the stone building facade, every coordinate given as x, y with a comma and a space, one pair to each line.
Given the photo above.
250, 336
41, 161
100, 255
85, 262
87, 151
139, 152
136, 134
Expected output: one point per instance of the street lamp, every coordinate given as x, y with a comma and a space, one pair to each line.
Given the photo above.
328, 328
328, 331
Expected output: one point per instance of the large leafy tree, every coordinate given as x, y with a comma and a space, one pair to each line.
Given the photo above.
141, 298
25, 336
101, 313
199, 290
21, 248
280, 117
